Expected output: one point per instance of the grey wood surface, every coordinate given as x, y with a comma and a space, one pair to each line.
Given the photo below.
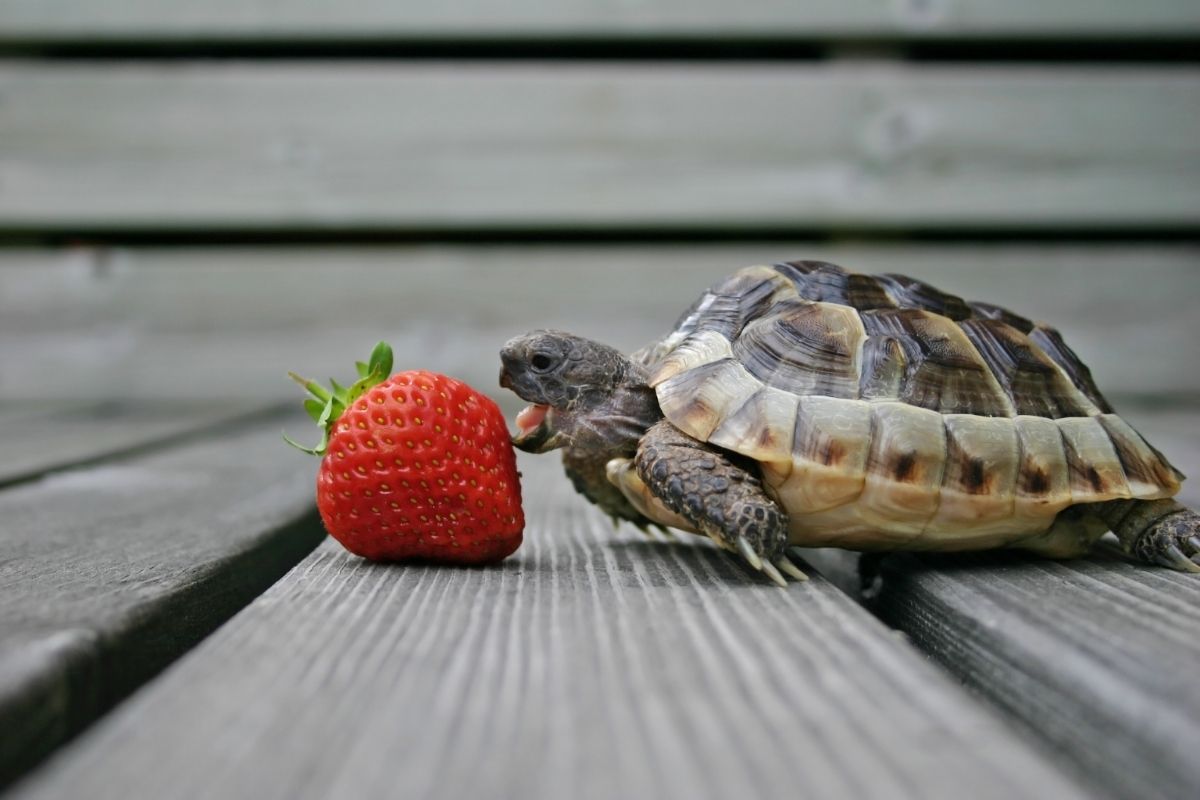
218, 322
468, 19
40, 439
592, 664
1095, 658
299, 146
108, 572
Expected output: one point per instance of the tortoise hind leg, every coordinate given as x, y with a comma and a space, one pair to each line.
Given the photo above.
720, 497
1155, 531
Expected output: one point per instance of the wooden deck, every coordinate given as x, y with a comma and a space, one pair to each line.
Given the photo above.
196, 198
594, 662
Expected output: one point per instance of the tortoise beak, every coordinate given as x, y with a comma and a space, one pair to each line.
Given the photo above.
531, 438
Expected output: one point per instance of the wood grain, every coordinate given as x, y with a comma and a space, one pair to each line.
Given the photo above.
1095, 658
111, 571
39, 439
592, 664
297, 146
52, 20
228, 322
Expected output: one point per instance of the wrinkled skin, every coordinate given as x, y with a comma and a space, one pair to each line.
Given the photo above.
598, 406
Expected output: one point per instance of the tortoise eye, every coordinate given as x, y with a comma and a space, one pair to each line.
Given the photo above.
541, 362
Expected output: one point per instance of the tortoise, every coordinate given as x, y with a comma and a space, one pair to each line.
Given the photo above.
800, 404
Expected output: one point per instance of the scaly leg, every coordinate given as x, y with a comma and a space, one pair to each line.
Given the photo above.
720, 494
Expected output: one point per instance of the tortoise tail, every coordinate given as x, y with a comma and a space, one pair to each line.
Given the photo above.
1155, 531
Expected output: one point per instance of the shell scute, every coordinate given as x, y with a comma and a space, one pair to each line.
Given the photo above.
943, 370
805, 348
762, 428
982, 459
1094, 469
746, 295
905, 465
696, 350
993, 312
1052, 344
698, 400
827, 283
883, 366
1029, 378
1150, 476
830, 447
908, 292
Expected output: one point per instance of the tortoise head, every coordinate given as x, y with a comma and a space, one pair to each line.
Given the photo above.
583, 394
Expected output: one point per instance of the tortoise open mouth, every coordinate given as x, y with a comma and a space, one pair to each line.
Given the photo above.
536, 431
532, 428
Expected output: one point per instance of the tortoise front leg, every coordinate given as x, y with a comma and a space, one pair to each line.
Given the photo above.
722, 497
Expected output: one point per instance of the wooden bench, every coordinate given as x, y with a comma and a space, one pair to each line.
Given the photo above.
193, 202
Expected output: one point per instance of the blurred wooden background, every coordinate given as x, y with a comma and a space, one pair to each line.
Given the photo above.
197, 197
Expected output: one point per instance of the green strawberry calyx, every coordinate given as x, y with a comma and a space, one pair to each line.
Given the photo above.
326, 406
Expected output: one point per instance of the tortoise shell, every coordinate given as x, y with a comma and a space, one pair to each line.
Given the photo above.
887, 414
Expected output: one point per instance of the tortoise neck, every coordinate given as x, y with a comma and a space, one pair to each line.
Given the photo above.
613, 427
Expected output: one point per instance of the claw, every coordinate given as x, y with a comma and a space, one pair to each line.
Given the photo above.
748, 553
718, 541
1194, 541
786, 566
773, 574
1174, 558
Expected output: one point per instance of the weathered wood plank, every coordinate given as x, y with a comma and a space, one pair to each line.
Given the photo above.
111, 571
216, 322
43, 20
1096, 658
590, 665
37, 441
428, 147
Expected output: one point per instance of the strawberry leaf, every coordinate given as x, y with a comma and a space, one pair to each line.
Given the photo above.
381, 360
326, 406
327, 413
314, 407
312, 451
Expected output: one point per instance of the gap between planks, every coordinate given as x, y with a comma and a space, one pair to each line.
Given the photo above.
112, 570
41, 437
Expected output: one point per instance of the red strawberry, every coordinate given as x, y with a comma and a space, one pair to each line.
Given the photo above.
418, 465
